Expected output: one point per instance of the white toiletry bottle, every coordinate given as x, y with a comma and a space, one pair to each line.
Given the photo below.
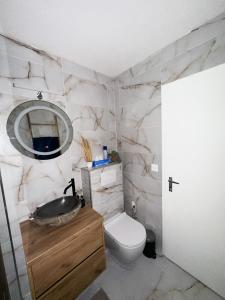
105, 152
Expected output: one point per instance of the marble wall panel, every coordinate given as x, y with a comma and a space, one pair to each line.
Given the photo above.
14, 48
21, 265
140, 164
83, 94
150, 78
139, 107
5, 85
145, 140
72, 68
85, 117
12, 176
108, 199
92, 111
7, 253
25, 74
114, 196
132, 94
143, 67
12, 173
210, 54
77, 163
112, 112
95, 176
95, 120
135, 185
195, 38
22, 95
139, 116
44, 181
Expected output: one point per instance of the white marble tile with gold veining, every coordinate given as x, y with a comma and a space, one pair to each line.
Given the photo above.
208, 55
143, 140
195, 38
14, 48
28, 75
6, 106
107, 199
88, 117
44, 181
144, 114
111, 109
143, 186
75, 69
151, 62
141, 164
84, 92
12, 174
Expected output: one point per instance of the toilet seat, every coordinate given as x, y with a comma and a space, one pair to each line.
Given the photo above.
126, 231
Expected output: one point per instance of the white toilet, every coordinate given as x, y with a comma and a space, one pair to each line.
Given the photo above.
125, 237
103, 189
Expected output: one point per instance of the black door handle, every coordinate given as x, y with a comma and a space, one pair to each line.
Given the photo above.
171, 183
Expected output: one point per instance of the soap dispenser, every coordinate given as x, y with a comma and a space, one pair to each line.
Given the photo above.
105, 152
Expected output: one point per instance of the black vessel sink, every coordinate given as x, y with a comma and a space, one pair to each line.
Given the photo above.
57, 212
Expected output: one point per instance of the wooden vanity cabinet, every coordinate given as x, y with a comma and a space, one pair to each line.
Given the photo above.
63, 261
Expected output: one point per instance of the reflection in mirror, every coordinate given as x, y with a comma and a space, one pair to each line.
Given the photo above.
39, 129
43, 131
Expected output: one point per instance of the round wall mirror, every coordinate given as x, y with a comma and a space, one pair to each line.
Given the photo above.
39, 129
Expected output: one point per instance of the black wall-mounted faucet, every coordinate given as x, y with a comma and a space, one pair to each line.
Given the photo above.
71, 185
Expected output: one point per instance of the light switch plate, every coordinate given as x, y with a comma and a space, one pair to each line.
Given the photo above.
155, 168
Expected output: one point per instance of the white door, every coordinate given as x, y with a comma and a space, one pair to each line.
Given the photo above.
193, 136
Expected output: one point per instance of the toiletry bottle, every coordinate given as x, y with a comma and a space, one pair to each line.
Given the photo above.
105, 153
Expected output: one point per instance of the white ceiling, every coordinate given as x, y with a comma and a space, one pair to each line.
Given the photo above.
107, 36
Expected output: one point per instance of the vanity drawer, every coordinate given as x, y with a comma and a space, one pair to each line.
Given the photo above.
78, 279
57, 262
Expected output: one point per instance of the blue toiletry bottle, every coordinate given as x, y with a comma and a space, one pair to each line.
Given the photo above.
105, 152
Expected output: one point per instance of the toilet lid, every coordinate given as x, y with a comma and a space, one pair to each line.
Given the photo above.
126, 230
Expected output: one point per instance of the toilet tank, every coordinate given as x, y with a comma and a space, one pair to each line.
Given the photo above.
103, 189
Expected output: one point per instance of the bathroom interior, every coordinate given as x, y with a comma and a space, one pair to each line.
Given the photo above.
111, 146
